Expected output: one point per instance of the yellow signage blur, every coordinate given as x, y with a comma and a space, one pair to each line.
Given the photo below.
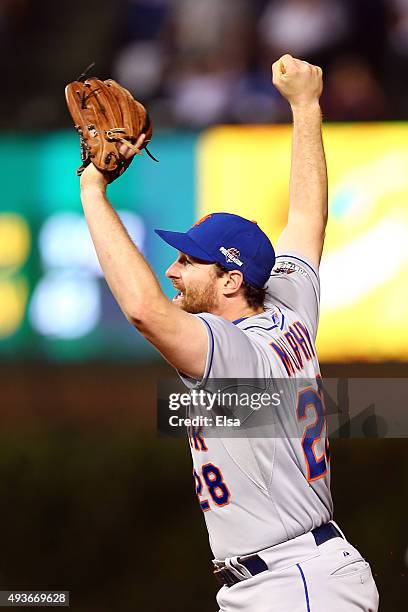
364, 270
14, 241
13, 300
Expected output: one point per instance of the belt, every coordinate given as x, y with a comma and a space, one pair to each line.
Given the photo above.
251, 565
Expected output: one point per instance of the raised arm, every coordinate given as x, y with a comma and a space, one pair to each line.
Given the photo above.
301, 84
178, 335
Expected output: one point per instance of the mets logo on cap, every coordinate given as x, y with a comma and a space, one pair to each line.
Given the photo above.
232, 255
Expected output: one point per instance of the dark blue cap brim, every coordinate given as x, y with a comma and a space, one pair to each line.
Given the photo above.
182, 242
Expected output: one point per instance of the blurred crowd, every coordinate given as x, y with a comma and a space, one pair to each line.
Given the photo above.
200, 62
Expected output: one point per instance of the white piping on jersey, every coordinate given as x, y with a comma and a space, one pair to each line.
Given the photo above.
266, 487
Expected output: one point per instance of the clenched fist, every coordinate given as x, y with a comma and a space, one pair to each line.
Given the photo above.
299, 82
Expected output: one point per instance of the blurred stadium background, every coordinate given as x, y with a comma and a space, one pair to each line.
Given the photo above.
92, 500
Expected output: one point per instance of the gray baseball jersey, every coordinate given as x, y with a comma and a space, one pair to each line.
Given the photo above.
266, 486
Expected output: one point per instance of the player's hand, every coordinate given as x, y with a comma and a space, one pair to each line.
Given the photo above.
299, 82
128, 152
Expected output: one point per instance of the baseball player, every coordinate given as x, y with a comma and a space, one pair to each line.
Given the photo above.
242, 312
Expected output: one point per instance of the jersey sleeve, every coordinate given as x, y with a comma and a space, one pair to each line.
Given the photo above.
230, 353
294, 284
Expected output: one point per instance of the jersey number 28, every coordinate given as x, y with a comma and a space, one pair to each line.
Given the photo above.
215, 485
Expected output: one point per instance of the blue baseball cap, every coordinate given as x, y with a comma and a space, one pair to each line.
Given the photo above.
230, 240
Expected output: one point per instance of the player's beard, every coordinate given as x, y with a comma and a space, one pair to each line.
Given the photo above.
200, 299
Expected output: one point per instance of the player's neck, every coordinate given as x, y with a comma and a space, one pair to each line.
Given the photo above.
234, 313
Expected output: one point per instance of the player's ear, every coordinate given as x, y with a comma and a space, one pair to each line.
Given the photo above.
232, 282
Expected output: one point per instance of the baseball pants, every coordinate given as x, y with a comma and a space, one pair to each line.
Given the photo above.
305, 577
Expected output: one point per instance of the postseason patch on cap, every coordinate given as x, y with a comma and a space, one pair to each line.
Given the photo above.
288, 267
231, 255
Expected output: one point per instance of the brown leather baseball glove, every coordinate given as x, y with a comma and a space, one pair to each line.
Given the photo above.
106, 116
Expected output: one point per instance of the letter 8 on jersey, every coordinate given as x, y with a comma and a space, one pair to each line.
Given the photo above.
215, 484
